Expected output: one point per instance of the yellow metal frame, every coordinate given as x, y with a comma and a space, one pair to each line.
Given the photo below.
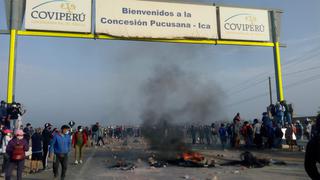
279, 71
245, 43
107, 37
14, 33
55, 34
11, 73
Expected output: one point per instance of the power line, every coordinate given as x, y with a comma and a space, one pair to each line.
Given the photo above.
248, 99
249, 86
260, 81
288, 63
301, 71
303, 81
264, 80
308, 57
300, 82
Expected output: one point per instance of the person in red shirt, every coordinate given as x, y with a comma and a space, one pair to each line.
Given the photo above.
247, 132
79, 140
16, 151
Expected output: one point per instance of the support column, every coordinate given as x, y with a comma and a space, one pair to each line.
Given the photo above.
275, 17
278, 71
11, 66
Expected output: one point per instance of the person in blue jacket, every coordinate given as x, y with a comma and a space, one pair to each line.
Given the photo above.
60, 145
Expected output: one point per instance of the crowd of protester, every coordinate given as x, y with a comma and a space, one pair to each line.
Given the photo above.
274, 129
48, 142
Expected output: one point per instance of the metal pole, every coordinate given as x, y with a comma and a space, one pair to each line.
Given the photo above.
270, 90
15, 12
12, 54
278, 72
11, 66
277, 59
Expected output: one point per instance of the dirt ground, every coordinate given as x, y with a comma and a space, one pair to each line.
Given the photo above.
98, 160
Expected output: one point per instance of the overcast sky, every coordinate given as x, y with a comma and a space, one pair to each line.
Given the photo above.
60, 79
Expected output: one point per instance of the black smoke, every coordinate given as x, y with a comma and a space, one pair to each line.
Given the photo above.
176, 98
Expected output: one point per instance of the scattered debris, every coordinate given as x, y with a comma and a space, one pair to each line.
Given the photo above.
136, 141
157, 164
249, 161
276, 162
213, 178
123, 165
236, 172
220, 155
186, 177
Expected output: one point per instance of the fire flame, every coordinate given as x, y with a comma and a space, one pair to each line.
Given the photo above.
192, 156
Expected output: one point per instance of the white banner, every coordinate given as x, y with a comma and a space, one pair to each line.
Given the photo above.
150, 19
59, 15
244, 24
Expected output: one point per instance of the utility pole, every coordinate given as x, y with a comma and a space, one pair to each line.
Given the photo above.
270, 90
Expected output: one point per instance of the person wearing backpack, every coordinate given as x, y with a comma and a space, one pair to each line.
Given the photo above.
16, 151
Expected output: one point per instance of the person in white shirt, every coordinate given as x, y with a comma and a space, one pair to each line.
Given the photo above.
309, 128
257, 137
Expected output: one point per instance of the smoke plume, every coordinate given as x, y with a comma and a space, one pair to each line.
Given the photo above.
174, 99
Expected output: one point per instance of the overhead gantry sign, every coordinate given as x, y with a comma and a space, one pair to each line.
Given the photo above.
145, 21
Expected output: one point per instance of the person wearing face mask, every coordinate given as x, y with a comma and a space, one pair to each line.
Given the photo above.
16, 151
60, 145
7, 136
79, 140
46, 138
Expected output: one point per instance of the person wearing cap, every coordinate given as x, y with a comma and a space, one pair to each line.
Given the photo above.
79, 140
312, 156
16, 151
46, 138
7, 136
60, 145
